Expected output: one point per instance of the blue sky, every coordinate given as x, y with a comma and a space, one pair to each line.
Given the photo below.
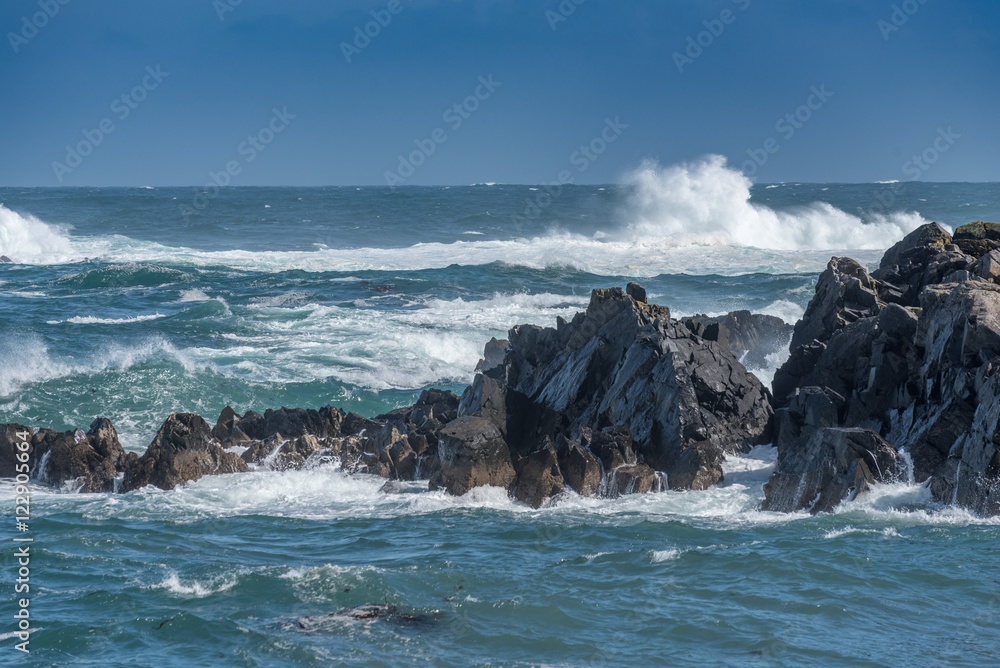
895, 78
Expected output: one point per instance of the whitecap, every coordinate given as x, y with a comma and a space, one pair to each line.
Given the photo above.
27, 240
94, 320
707, 202
193, 295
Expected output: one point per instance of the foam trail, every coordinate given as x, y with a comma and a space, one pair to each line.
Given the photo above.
27, 240
707, 202
94, 320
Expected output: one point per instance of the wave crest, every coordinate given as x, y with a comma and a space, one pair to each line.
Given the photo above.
27, 240
708, 203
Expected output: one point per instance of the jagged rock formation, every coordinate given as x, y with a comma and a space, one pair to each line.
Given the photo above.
86, 462
623, 387
621, 400
908, 353
752, 337
183, 450
891, 373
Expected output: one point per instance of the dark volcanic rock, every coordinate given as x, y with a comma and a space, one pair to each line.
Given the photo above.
637, 479
539, 476
904, 264
604, 404
278, 453
86, 462
579, 467
917, 369
636, 292
290, 422
223, 430
183, 450
472, 452
751, 337
11, 437
628, 384
987, 267
977, 239
845, 294
89, 461
826, 466
5, 260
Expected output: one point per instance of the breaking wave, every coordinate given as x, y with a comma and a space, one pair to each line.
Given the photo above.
27, 240
708, 203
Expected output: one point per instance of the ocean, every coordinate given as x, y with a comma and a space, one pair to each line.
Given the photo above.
133, 303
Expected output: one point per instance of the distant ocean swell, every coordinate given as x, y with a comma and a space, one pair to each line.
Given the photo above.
693, 218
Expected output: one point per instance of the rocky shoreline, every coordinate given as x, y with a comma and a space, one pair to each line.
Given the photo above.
891, 375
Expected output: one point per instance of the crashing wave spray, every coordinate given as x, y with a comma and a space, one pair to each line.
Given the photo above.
27, 240
708, 203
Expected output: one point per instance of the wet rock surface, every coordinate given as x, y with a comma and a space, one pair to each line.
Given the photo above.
621, 385
183, 450
622, 399
891, 374
82, 461
907, 355
751, 337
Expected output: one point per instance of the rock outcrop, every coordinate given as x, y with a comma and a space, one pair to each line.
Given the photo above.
622, 399
84, 461
751, 337
471, 453
183, 450
625, 384
892, 374
909, 356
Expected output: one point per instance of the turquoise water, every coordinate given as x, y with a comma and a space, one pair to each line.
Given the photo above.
121, 306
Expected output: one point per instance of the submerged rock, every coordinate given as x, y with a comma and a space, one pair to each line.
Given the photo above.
366, 612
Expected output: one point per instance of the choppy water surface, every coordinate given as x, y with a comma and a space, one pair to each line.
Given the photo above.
120, 306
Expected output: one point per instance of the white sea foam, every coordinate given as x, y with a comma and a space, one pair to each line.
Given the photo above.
27, 359
788, 311
327, 494
603, 254
27, 240
193, 295
94, 320
436, 341
658, 556
707, 202
693, 218
194, 589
